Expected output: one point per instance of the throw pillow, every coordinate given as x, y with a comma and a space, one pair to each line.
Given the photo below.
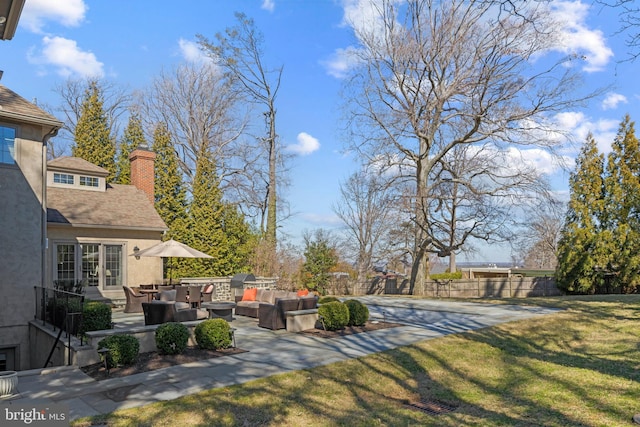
167, 295
250, 294
303, 292
208, 289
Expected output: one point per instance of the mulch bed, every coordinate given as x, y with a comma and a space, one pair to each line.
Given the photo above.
350, 330
153, 360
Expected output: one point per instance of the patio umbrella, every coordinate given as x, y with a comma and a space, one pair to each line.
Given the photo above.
171, 249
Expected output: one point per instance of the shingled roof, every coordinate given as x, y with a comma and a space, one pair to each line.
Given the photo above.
75, 164
16, 108
120, 206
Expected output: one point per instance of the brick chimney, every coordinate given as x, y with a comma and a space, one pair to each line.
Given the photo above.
142, 172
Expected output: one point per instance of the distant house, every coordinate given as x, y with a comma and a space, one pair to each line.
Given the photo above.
93, 226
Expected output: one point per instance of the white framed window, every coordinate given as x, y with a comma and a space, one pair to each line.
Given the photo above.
97, 264
88, 181
7, 145
63, 178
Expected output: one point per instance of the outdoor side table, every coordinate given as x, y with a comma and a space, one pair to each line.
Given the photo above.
220, 309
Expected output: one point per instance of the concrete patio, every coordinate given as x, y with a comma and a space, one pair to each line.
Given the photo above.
268, 353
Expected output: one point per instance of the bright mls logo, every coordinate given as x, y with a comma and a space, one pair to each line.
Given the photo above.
36, 415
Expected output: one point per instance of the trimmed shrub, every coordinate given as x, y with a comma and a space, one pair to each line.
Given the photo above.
172, 338
123, 349
324, 300
213, 334
358, 312
335, 315
96, 316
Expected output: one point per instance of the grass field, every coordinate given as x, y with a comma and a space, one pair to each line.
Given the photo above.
577, 367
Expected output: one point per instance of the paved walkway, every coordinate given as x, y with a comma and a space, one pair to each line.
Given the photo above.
268, 353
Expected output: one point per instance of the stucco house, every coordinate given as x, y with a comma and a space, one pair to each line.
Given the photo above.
61, 220
24, 131
93, 226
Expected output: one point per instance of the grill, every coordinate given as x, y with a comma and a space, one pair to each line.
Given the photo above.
237, 281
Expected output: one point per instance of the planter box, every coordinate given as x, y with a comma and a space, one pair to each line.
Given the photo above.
8, 383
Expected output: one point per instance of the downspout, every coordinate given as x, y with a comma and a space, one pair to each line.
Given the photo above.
43, 244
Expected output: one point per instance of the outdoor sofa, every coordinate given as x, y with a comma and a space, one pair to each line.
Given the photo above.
271, 306
167, 309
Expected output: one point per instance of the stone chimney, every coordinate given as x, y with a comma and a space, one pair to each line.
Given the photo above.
142, 171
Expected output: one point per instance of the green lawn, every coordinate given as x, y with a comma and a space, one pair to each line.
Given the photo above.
576, 367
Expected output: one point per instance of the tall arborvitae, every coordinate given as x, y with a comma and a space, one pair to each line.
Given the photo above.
171, 196
240, 237
205, 213
92, 140
621, 243
133, 138
578, 249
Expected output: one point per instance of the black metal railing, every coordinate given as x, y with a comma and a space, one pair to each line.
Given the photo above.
62, 309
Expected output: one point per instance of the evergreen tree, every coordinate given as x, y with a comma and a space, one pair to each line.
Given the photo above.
133, 138
320, 257
621, 242
206, 211
92, 139
170, 194
579, 254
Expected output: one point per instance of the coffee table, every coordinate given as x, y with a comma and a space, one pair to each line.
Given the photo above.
220, 309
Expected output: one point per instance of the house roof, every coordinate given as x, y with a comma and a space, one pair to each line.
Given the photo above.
9, 10
16, 108
76, 164
120, 206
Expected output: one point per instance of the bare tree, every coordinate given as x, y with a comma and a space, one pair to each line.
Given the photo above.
537, 242
434, 75
629, 12
201, 111
474, 194
116, 101
239, 51
366, 208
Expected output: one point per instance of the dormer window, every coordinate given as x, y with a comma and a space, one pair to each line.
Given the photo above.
63, 178
88, 181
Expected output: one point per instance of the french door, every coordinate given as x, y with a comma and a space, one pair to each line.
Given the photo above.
97, 264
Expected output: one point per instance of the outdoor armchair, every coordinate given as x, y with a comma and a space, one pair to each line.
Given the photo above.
134, 300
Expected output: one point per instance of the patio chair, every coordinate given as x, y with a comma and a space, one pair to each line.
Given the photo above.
195, 295
134, 300
208, 292
182, 294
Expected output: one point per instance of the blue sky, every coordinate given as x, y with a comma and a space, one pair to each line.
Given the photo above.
130, 42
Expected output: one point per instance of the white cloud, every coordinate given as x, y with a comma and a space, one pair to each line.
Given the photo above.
67, 58
306, 144
603, 130
540, 160
363, 16
191, 52
341, 62
322, 219
68, 13
269, 5
613, 100
575, 36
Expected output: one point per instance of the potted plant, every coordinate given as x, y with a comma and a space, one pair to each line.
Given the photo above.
8, 383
